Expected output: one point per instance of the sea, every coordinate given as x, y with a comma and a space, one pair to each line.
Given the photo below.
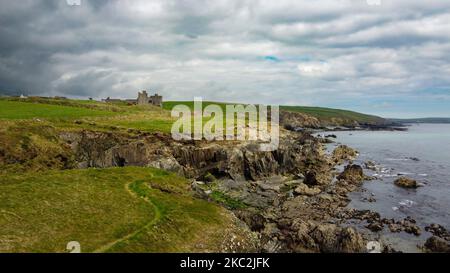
422, 153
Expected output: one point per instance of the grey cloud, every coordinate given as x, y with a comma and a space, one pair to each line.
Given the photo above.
216, 49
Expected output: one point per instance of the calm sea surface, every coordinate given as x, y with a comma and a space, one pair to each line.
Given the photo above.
422, 153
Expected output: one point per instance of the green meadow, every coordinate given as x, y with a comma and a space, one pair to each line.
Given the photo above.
106, 210
103, 116
77, 115
325, 115
328, 114
24, 110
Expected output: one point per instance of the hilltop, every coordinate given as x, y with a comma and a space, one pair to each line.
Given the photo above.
151, 118
331, 116
305, 116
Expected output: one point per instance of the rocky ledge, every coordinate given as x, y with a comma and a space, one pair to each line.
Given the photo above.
293, 198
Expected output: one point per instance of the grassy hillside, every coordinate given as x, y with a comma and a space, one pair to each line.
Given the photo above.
109, 210
329, 114
78, 114
22, 110
168, 105
325, 115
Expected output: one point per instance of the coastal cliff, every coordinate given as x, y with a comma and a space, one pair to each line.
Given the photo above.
293, 199
286, 196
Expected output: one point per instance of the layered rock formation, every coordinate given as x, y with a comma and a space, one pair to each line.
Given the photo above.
287, 195
292, 197
239, 161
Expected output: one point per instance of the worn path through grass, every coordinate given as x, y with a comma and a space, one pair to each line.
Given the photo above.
129, 188
121, 210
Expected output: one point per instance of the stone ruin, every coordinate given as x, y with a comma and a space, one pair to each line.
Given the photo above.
144, 99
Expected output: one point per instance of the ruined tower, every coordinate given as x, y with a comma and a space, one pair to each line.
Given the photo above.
156, 100
142, 98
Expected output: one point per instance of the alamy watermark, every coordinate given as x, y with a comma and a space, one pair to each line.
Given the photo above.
258, 123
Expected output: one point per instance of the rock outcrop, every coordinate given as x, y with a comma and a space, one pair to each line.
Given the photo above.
303, 189
294, 120
239, 161
440, 241
406, 183
287, 195
352, 173
343, 153
436, 244
439, 231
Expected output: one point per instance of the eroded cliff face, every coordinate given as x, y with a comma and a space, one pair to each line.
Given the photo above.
287, 196
292, 120
290, 196
299, 153
102, 150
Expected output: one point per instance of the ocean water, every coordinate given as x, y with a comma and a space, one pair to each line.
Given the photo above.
422, 153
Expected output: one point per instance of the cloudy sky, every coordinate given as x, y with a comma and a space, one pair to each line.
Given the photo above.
391, 59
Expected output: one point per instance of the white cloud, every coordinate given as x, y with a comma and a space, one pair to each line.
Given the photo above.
313, 68
329, 51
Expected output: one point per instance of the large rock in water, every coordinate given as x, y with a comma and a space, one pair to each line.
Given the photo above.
407, 183
436, 244
352, 173
343, 153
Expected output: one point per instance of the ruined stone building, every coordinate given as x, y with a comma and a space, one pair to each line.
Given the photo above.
144, 99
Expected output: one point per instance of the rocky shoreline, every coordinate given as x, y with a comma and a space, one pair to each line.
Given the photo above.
294, 198
298, 122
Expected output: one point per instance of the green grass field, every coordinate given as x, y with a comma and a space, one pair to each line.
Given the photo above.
24, 110
77, 114
168, 105
328, 114
101, 116
325, 115
108, 210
